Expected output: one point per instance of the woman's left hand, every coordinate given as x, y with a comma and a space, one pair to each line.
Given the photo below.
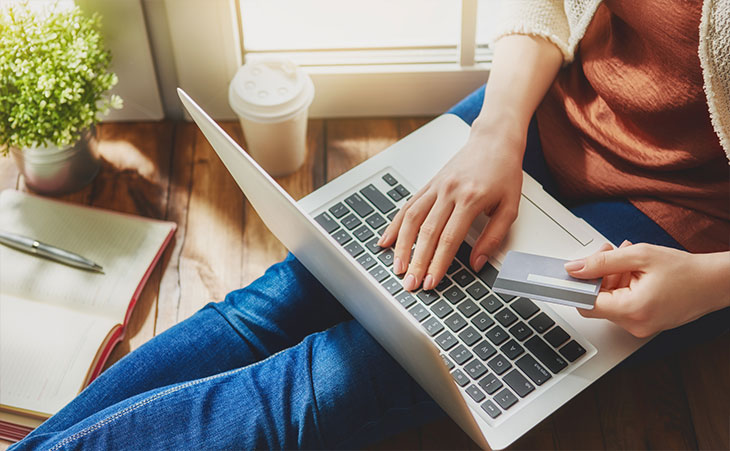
647, 288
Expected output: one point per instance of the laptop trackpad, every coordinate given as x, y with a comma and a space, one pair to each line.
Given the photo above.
535, 232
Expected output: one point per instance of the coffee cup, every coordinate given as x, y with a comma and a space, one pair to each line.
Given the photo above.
271, 98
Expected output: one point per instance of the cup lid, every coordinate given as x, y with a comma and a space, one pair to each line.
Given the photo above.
268, 90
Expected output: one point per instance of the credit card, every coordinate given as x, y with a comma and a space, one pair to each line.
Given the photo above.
545, 279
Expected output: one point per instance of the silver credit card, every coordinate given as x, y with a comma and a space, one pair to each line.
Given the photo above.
545, 279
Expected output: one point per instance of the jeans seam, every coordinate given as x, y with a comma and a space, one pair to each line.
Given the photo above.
100, 424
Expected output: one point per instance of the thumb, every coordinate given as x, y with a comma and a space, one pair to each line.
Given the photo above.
605, 263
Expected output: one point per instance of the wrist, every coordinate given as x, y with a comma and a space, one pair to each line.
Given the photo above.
714, 269
502, 129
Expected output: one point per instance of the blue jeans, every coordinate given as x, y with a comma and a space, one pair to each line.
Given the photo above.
278, 364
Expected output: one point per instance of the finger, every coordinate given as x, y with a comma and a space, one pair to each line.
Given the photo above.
622, 280
609, 305
610, 281
391, 232
428, 237
604, 263
449, 242
492, 235
412, 220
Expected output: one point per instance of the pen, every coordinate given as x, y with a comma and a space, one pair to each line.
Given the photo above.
35, 247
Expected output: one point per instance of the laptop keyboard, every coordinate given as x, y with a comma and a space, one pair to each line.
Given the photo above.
499, 349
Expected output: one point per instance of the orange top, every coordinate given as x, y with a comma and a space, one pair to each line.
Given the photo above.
629, 119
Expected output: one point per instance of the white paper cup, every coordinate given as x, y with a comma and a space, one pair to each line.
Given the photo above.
271, 98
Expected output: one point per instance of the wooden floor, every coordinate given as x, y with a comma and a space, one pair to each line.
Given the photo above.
168, 171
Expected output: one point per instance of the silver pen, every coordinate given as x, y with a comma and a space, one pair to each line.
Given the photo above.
35, 247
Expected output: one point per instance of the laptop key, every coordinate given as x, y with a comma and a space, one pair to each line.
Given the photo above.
488, 274
545, 354
449, 364
499, 364
491, 303
357, 203
444, 284
496, 335
524, 307
512, 349
446, 341
475, 369
476, 394
463, 253
572, 351
541, 322
402, 191
484, 350
390, 180
367, 261
455, 322
342, 237
477, 290
377, 198
375, 221
518, 383
392, 285
520, 331
557, 336
406, 300
505, 317
490, 383
533, 370
339, 210
433, 326
363, 233
460, 377
463, 278
354, 249
327, 223
469, 336
491, 409
419, 312
387, 257
395, 195
468, 308
379, 273
505, 399
454, 294
427, 297
460, 354
351, 221
482, 321
372, 246
392, 214
453, 267
441, 309
507, 297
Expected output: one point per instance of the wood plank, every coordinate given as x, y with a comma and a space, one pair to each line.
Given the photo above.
349, 142
705, 374
577, 425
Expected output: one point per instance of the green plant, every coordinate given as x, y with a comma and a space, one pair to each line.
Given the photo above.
54, 76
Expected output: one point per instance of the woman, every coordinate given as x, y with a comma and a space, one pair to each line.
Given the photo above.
279, 364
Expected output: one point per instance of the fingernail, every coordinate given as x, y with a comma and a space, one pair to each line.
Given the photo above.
428, 282
398, 265
382, 239
410, 282
575, 265
479, 262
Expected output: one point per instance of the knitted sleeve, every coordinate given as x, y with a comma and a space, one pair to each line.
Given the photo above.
562, 22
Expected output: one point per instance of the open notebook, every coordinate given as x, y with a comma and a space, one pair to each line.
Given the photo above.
58, 324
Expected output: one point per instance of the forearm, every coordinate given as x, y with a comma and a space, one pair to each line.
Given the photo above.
523, 70
714, 274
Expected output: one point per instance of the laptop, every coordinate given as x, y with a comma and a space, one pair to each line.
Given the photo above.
498, 365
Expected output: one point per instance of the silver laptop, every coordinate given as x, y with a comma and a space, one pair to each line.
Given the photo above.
497, 365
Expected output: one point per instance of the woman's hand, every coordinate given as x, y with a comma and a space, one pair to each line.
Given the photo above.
484, 176
647, 289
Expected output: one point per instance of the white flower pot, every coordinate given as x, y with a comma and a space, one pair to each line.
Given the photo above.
53, 170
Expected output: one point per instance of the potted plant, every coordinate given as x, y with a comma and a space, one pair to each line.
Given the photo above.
54, 83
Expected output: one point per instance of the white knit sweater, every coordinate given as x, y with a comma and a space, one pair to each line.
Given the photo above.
564, 22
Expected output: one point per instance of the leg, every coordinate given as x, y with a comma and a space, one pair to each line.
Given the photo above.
273, 313
337, 388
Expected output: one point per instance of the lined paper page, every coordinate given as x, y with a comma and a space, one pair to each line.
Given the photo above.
45, 353
124, 245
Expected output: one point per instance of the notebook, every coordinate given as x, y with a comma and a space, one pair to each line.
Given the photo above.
58, 324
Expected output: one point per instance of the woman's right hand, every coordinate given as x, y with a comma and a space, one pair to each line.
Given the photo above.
484, 176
